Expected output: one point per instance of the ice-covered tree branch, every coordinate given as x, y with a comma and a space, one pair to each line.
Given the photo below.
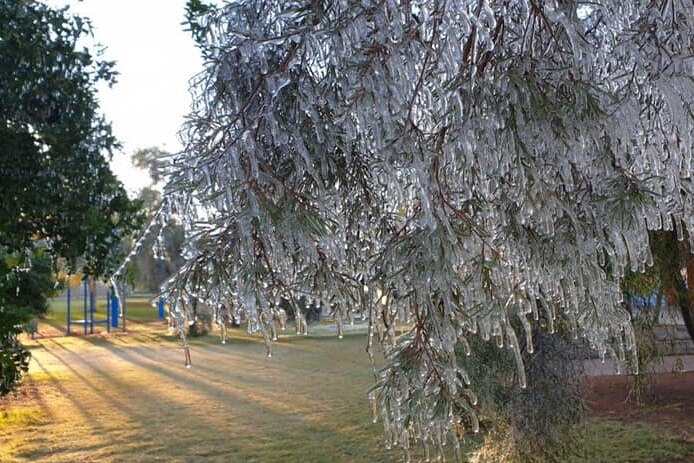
475, 165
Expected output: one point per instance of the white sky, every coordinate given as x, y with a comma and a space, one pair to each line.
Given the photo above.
155, 59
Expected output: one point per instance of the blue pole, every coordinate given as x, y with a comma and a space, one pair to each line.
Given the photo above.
114, 310
108, 310
84, 299
92, 305
160, 305
68, 306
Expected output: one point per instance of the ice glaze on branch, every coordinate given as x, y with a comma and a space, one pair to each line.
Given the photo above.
491, 162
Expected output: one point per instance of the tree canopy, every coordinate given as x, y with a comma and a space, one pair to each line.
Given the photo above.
55, 145
58, 196
482, 165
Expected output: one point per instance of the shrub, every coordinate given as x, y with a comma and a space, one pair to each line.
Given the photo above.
538, 423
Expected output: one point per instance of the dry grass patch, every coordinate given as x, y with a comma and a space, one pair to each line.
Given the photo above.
129, 399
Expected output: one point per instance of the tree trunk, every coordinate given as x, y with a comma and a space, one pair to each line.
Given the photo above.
685, 303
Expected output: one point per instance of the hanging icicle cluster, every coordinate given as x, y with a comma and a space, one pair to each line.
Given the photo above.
475, 165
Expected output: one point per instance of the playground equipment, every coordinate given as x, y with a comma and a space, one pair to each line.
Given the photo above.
114, 309
159, 303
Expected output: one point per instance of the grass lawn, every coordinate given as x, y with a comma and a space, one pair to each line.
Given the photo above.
128, 398
607, 441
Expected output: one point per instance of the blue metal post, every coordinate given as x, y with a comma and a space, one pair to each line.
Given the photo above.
84, 299
114, 310
92, 306
108, 310
160, 306
68, 307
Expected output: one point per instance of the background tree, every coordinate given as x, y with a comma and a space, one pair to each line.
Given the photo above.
153, 160
471, 163
144, 272
671, 278
674, 271
58, 196
159, 256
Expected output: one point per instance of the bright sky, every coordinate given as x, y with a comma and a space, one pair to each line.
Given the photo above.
155, 59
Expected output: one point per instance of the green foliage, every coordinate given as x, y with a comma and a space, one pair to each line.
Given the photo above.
641, 284
174, 238
671, 253
23, 290
14, 359
28, 289
53, 140
15, 311
311, 311
157, 259
667, 262
56, 187
151, 199
195, 20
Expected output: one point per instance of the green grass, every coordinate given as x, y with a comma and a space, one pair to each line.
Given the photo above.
614, 442
599, 440
130, 399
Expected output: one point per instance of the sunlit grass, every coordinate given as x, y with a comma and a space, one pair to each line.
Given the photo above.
130, 399
20, 417
126, 399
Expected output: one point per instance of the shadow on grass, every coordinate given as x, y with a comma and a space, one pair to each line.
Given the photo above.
235, 403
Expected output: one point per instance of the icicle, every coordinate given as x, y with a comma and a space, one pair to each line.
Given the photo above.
460, 371
679, 227
427, 450
631, 336
475, 420
374, 407
528, 333
472, 397
458, 449
534, 309
466, 345
513, 344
